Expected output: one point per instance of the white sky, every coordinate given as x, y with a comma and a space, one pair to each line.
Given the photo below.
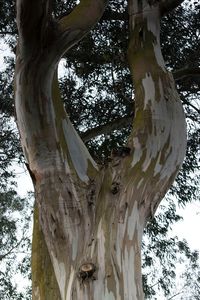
189, 227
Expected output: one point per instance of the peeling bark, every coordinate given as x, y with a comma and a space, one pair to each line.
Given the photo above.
89, 221
44, 283
159, 117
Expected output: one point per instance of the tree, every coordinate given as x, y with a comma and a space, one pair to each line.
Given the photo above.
109, 206
14, 219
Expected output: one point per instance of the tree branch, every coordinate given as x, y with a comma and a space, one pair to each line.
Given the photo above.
73, 27
32, 18
166, 6
108, 15
191, 105
185, 72
102, 60
2, 256
8, 32
106, 128
181, 292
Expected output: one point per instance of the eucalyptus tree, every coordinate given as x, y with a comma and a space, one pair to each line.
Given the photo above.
89, 219
101, 79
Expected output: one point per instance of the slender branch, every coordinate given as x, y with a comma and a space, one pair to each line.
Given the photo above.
166, 6
108, 15
157, 282
172, 297
8, 32
185, 72
2, 256
106, 128
191, 105
115, 16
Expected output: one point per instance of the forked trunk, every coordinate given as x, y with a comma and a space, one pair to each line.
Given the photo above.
95, 247
89, 220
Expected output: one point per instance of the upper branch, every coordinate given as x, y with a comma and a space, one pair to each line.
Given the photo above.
185, 72
167, 6
158, 137
118, 123
108, 15
32, 18
79, 22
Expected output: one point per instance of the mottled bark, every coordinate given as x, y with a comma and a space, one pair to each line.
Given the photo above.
44, 282
90, 220
158, 137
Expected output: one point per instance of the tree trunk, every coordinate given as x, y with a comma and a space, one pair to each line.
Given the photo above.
89, 220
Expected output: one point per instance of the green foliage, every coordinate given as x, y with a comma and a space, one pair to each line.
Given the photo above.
14, 244
14, 216
164, 256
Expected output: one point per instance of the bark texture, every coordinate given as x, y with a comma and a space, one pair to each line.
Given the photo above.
89, 220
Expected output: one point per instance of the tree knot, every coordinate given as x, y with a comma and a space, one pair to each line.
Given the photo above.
115, 187
86, 271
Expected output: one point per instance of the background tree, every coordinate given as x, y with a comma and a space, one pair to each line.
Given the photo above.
111, 63
14, 217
